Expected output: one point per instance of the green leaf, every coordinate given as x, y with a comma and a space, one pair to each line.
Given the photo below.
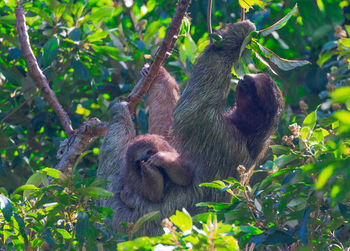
278, 149
20, 224
241, 67
214, 184
151, 31
341, 95
318, 135
324, 176
343, 117
38, 179
64, 233
324, 57
251, 230
54, 173
8, 19
99, 15
282, 160
50, 51
246, 41
110, 51
75, 34
97, 36
82, 226
279, 24
182, 220
308, 125
80, 70
262, 61
147, 217
6, 207
283, 64
24, 188
95, 192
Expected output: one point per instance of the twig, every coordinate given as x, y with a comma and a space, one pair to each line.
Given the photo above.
37, 74
242, 14
16, 109
164, 50
131, 17
210, 30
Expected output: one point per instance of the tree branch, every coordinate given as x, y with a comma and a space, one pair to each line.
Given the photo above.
72, 147
163, 52
77, 141
37, 74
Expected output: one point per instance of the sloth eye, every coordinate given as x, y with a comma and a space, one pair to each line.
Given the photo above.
149, 152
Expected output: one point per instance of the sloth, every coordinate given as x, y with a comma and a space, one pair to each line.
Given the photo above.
211, 141
151, 162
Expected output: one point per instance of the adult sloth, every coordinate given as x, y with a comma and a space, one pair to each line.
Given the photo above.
208, 139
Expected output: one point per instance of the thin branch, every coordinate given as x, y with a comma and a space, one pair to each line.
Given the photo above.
37, 74
16, 109
210, 30
242, 14
164, 51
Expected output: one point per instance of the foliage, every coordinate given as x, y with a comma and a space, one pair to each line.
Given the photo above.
213, 234
302, 202
60, 215
91, 52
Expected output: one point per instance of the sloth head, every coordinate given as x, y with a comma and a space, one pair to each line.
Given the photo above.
258, 102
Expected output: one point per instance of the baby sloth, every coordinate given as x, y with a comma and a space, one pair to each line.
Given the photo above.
150, 164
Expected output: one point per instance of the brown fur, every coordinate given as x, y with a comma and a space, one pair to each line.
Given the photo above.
149, 157
162, 97
150, 162
213, 141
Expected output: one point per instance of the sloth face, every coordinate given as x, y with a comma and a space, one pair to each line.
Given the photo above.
257, 92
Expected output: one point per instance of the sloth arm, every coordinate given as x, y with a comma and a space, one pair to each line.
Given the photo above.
152, 183
113, 148
176, 169
163, 95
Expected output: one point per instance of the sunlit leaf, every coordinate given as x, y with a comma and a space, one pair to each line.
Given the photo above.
64, 233
98, 35
110, 51
95, 192
247, 4
343, 117
283, 64
214, 184
341, 95
282, 160
324, 176
54, 173
6, 207
82, 111
279, 24
99, 15
24, 188
182, 220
